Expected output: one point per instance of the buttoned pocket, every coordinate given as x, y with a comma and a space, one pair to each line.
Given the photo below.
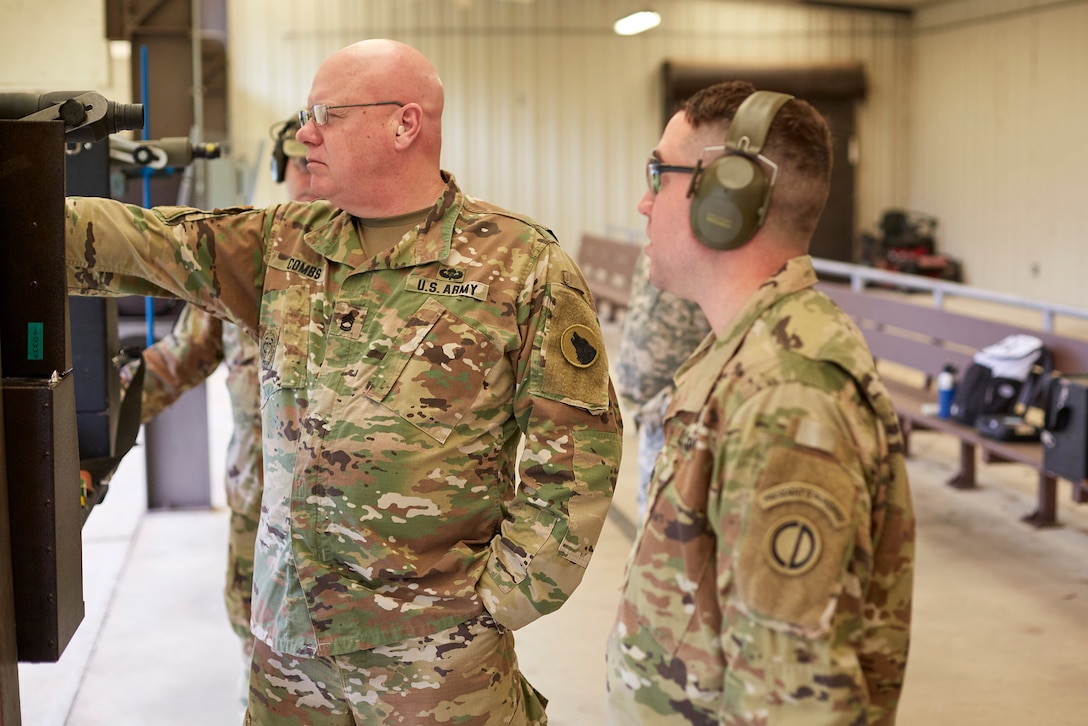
435, 371
284, 340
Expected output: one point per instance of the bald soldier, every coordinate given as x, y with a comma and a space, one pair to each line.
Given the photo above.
441, 438
771, 579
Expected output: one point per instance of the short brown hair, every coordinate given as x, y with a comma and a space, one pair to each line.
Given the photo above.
799, 142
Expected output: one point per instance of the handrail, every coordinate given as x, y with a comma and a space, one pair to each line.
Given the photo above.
860, 274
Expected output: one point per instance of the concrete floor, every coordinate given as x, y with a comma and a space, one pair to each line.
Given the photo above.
1000, 626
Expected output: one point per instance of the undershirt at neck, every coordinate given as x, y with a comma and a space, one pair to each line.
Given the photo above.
378, 235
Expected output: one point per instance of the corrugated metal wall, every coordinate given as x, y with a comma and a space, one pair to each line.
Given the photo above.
547, 111
999, 150
974, 111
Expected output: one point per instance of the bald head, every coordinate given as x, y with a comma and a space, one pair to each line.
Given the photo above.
388, 70
378, 154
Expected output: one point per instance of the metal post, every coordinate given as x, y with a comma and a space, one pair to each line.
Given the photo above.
178, 468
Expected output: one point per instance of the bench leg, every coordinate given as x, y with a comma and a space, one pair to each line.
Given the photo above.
1046, 514
966, 478
1080, 492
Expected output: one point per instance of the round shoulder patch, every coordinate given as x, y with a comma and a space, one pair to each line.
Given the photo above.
581, 345
792, 545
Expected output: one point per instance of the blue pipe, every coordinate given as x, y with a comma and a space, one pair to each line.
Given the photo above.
149, 303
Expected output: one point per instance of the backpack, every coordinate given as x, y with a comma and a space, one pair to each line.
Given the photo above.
1003, 381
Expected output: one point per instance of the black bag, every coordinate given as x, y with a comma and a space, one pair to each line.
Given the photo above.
1002, 383
1065, 428
970, 397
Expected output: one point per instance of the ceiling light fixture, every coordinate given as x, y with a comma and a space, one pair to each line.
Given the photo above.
636, 23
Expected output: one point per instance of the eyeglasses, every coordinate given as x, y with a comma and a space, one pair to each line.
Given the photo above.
654, 170
319, 112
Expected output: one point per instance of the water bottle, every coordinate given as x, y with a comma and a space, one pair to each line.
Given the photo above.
946, 390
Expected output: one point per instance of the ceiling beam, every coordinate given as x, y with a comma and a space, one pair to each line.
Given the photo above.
899, 10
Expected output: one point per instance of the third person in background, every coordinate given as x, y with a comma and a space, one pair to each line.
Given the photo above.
182, 360
660, 331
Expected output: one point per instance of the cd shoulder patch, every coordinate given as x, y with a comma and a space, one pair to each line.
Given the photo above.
797, 542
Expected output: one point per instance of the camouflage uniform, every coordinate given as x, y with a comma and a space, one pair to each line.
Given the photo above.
183, 360
771, 580
660, 331
475, 661
395, 392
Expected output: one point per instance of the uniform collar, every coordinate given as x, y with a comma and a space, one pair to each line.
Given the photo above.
714, 353
338, 240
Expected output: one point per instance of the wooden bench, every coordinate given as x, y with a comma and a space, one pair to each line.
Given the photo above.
918, 341
608, 265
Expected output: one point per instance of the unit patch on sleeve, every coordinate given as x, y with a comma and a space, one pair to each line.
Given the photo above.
797, 540
580, 345
268, 348
575, 366
792, 545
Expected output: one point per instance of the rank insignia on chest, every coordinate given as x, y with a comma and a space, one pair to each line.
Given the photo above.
348, 320
449, 281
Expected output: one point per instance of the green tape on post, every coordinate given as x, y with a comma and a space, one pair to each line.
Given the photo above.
35, 341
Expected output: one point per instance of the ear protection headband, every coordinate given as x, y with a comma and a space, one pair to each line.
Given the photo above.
730, 197
280, 133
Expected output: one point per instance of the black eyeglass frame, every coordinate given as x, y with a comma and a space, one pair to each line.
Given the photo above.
655, 168
319, 112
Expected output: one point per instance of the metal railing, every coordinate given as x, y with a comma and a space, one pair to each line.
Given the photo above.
860, 275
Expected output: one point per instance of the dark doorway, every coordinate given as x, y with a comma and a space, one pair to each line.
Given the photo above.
834, 91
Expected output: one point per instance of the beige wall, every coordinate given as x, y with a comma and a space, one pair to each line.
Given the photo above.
549, 112
998, 150
970, 116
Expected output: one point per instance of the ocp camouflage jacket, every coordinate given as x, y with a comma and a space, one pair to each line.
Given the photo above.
771, 581
395, 392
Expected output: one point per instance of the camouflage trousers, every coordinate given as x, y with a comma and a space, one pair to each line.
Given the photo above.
238, 592
467, 675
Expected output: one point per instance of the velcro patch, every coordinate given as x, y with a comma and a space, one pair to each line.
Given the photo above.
575, 366
792, 545
347, 321
795, 546
268, 348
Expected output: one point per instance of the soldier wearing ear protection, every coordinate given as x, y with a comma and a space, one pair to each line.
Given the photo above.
771, 579
184, 359
286, 147
289, 162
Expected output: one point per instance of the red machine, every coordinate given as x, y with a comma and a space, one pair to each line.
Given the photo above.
907, 244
